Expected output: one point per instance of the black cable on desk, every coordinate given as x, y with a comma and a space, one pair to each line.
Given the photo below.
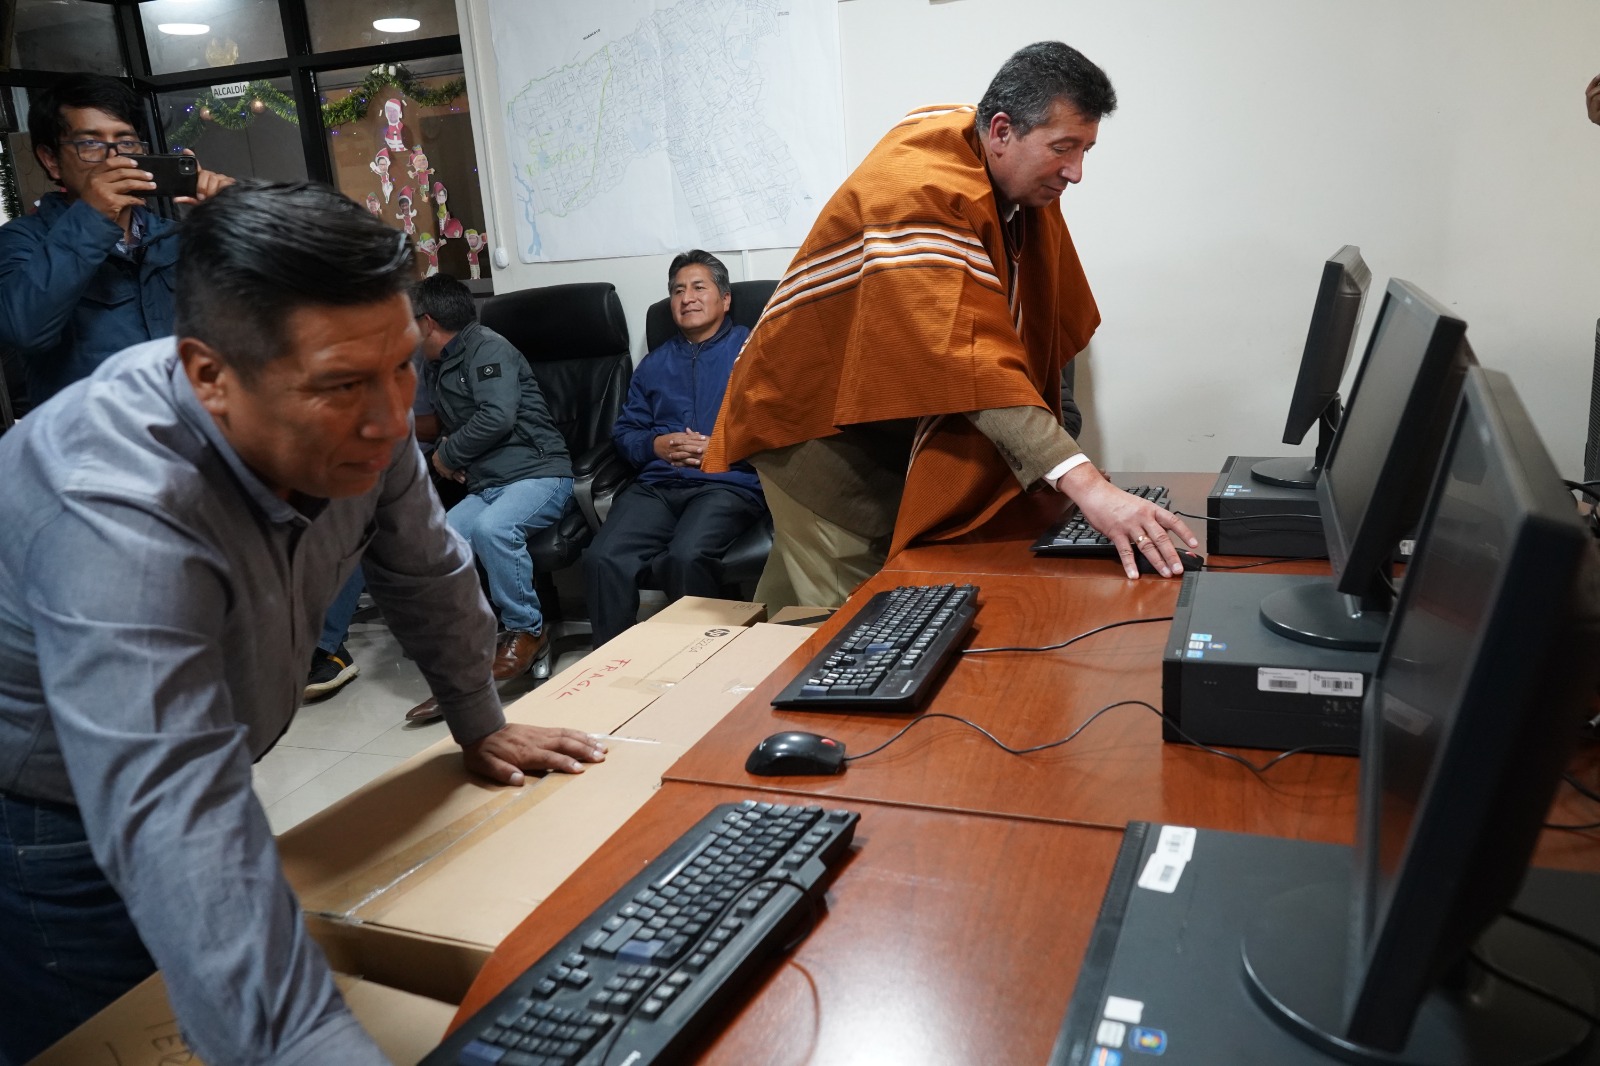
1538, 991
1069, 640
1553, 930
1246, 566
1259, 771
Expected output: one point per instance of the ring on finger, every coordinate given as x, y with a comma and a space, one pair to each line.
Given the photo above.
1140, 539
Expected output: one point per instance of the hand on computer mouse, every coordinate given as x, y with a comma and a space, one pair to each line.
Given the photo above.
1190, 560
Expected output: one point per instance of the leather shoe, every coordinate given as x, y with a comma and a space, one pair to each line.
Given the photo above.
516, 656
426, 711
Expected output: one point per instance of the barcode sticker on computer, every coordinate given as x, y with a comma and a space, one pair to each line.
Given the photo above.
1176, 843
1330, 683
1277, 679
1161, 873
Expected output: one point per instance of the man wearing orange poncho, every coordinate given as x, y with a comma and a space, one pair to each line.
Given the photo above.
903, 383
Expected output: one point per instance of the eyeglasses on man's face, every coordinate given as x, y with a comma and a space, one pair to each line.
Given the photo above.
96, 151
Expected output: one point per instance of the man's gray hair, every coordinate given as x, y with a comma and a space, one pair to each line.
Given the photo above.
719, 273
1034, 78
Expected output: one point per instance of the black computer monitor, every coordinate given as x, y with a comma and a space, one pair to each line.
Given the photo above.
1377, 472
1481, 688
1329, 342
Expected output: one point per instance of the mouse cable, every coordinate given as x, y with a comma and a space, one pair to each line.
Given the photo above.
1532, 989
1585, 487
1263, 562
1552, 929
1069, 640
1580, 787
1258, 770
1572, 828
1587, 792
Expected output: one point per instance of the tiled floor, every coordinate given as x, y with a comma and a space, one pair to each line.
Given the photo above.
339, 744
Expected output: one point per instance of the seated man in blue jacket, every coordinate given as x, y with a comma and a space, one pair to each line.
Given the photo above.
498, 440
673, 511
91, 272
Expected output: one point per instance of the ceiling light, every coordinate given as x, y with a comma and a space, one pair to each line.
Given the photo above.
184, 29
396, 25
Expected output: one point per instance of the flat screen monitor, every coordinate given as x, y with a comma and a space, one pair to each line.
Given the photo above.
1481, 688
1329, 343
1377, 472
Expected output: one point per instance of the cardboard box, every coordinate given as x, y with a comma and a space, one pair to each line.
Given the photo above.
685, 712
811, 617
414, 878
618, 680
139, 1028
701, 611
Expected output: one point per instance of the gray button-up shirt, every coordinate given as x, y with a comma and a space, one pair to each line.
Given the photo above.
158, 606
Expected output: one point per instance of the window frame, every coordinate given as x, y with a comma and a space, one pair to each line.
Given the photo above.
301, 66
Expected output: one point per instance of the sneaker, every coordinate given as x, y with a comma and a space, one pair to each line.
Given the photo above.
330, 672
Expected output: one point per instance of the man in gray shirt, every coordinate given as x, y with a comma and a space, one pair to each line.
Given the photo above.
175, 526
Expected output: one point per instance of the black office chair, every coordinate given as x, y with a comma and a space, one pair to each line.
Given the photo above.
575, 338
747, 556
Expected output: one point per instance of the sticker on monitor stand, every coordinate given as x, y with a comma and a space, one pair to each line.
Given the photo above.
1111, 1034
1121, 1009
1161, 874
1278, 679
1335, 683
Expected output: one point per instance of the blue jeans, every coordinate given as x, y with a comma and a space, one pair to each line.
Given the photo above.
497, 523
336, 623
67, 944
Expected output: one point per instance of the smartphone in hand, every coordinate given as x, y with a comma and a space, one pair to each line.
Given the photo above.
174, 175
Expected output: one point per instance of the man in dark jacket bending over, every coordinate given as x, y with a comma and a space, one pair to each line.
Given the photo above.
674, 511
500, 442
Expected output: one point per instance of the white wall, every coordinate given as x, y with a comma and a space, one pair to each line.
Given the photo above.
1446, 138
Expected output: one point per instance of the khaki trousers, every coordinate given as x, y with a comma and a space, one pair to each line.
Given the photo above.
814, 563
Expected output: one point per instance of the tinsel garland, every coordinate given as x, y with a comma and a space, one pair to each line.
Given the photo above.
237, 113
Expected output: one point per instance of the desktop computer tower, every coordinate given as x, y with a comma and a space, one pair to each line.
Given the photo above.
1228, 680
1250, 516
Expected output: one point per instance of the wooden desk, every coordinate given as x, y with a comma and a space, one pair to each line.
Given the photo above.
1001, 546
954, 933
1116, 771
947, 938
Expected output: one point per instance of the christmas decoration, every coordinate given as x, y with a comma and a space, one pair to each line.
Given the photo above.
407, 214
418, 168
380, 167
232, 115
430, 248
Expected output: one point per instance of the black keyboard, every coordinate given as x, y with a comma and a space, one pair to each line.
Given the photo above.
651, 965
889, 655
1074, 536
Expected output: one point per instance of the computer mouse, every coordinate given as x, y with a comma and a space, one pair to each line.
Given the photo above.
1190, 560
796, 753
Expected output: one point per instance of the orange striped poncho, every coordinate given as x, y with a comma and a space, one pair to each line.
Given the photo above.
905, 301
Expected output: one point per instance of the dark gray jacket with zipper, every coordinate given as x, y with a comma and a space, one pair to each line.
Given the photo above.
497, 424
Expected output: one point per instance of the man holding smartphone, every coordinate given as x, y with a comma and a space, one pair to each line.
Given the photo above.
91, 271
